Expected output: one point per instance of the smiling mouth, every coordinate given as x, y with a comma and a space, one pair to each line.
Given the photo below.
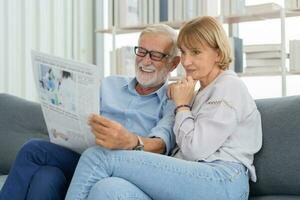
147, 70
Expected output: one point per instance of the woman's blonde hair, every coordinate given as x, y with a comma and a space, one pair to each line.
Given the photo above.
207, 30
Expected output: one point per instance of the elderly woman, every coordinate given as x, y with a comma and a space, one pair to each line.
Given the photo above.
217, 128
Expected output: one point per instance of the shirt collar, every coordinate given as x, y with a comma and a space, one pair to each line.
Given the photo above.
160, 92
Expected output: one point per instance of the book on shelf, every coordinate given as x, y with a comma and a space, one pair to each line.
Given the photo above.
178, 10
262, 47
292, 4
233, 7
261, 69
190, 9
226, 7
156, 11
262, 8
116, 13
129, 13
125, 13
163, 10
263, 54
208, 7
110, 20
237, 54
294, 55
171, 10
150, 11
263, 62
238, 7
143, 7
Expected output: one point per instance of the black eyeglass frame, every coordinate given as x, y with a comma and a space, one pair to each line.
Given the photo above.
158, 57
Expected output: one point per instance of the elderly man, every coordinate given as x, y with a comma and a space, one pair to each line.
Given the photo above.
135, 115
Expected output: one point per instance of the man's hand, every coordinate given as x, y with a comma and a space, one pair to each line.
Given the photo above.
111, 134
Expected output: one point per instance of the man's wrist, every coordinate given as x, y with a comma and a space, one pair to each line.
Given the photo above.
132, 142
140, 144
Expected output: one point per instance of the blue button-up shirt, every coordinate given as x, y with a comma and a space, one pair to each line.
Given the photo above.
146, 115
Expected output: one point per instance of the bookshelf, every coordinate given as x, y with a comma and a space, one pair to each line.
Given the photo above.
251, 14
267, 14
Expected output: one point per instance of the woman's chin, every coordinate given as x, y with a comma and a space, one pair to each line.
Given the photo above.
190, 75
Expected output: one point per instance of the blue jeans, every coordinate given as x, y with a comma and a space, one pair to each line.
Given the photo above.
105, 174
42, 170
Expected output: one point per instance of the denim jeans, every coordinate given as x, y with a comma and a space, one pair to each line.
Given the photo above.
42, 170
105, 174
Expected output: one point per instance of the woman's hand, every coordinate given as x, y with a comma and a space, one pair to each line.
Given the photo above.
183, 91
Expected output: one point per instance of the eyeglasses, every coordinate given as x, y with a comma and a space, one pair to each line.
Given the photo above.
154, 55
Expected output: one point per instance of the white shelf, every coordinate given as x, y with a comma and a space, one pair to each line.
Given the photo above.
245, 74
272, 13
278, 73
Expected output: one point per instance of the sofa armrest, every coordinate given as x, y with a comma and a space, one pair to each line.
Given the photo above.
20, 120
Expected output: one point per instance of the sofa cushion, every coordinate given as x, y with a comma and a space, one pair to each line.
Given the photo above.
278, 197
278, 162
20, 120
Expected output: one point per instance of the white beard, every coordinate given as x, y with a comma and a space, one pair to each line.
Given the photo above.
149, 76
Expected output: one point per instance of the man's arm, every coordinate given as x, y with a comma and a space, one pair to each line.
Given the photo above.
113, 135
164, 127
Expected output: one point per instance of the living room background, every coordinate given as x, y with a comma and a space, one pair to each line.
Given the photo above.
67, 29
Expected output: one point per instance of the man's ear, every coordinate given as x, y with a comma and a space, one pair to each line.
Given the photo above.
175, 62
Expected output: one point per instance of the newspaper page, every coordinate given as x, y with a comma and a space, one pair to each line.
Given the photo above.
68, 93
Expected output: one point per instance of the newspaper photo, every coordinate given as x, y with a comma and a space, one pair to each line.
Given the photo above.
68, 92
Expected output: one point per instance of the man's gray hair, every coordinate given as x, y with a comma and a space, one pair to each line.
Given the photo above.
166, 30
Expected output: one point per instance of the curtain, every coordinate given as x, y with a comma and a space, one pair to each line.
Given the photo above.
59, 27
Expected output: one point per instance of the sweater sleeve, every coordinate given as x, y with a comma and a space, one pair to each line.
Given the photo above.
201, 135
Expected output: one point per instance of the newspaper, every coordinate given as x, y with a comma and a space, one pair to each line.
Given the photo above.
68, 92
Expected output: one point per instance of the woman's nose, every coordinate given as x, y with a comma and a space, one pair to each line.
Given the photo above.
185, 60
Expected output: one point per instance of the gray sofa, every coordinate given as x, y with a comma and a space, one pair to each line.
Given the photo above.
277, 164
